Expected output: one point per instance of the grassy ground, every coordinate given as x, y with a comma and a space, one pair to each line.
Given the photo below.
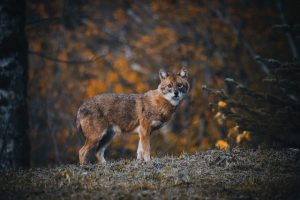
211, 174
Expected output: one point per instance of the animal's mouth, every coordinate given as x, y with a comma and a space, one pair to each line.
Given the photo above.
175, 98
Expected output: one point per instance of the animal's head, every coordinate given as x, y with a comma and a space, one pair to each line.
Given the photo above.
173, 86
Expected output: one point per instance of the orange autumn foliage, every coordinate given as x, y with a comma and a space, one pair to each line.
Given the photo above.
95, 87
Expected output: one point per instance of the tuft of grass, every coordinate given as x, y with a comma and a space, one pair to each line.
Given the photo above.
211, 174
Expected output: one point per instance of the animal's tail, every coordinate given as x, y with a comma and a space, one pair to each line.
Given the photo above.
78, 126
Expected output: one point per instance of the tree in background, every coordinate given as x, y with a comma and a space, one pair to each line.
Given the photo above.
14, 143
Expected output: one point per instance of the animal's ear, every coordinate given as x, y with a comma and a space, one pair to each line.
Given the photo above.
163, 74
183, 73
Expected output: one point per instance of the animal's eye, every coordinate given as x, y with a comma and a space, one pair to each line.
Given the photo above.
169, 86
180, 85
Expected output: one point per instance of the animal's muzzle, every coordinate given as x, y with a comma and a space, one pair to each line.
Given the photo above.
176, 94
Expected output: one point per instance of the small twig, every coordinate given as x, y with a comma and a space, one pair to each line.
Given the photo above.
270, 62
220, 93
221, 161
74, 62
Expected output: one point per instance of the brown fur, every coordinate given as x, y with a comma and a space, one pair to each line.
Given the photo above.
100, 117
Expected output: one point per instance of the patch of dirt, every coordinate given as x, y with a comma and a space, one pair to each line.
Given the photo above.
211, 174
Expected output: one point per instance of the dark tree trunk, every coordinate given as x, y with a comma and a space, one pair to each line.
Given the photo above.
14, 143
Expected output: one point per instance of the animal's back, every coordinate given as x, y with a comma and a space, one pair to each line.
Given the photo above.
111, 109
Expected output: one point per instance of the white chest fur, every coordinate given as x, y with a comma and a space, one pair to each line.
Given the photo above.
155, 124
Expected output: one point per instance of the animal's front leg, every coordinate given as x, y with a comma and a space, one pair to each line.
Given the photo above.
144, 144
139, 151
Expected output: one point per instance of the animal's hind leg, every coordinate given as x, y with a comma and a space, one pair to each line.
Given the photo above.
103, 144
90, 142
88, 145
93, 130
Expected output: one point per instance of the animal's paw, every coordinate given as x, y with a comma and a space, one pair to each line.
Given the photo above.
102, 161
139, 155
147, 158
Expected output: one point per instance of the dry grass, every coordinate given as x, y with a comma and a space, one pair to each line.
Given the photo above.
211, 174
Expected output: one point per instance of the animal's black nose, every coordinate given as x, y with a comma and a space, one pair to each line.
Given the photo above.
176, 93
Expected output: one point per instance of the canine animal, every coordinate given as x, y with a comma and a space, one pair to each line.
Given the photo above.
105, 115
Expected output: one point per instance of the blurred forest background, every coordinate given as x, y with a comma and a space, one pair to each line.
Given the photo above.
79, 48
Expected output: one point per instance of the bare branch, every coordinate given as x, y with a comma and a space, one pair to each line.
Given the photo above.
271, 63
73, 62
220, 93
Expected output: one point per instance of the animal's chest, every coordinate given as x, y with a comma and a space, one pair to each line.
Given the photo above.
157, 120
156, 115
156, 124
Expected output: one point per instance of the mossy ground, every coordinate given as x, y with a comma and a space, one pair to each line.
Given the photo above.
211, 174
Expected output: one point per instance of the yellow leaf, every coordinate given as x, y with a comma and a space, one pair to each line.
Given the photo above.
233, 132
222, 144
222, 104
243, 137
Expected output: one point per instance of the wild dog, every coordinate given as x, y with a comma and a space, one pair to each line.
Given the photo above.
105, 115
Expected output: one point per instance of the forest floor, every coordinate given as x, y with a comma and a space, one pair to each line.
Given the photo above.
210, 174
